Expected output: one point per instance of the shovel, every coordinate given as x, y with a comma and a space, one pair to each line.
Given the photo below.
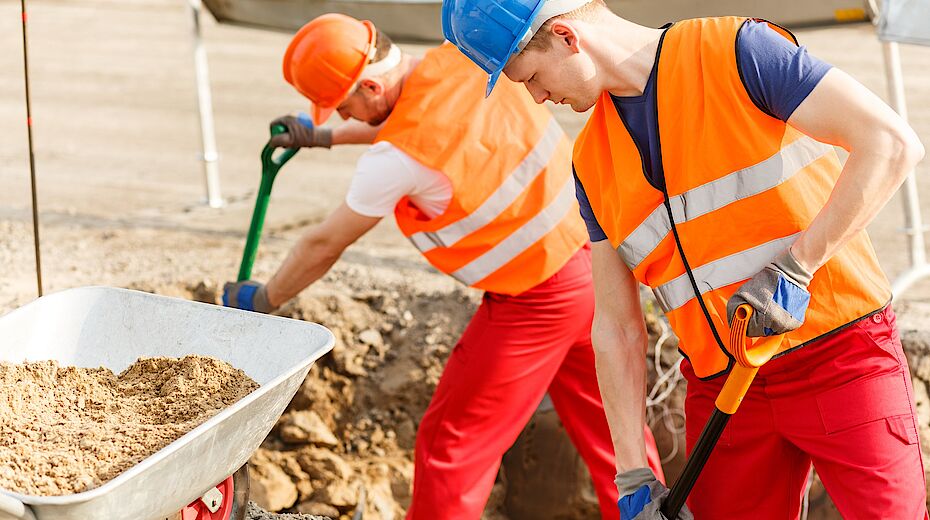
270, 167
748, 360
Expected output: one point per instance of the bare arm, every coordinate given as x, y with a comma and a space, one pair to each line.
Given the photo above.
316, 252
620, 340
355, 132
882, 150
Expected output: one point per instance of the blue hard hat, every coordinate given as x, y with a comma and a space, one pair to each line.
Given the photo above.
489, 32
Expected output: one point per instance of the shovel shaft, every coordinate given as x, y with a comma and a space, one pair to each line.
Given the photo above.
702, 450
270, 167
748, 360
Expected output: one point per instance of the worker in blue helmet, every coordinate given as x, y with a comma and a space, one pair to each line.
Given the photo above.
489, 33
705, 171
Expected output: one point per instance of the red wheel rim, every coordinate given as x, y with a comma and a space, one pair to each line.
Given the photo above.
197, 510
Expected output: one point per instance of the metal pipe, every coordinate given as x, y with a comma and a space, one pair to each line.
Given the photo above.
32, 160
913, 220
205, 106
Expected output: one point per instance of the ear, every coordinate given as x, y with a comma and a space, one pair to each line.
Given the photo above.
565, 33
372, 86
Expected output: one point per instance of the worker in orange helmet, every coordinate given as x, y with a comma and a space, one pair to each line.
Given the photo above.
484, 189
706, 172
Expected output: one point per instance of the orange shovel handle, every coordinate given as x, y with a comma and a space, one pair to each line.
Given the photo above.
749, 357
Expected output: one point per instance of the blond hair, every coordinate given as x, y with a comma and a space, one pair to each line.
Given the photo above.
590, 11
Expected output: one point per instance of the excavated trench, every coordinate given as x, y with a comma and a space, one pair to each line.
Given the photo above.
345, 443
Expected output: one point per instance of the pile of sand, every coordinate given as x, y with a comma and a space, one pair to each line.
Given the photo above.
66, 430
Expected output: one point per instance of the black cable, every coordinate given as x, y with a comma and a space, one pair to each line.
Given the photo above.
32, 161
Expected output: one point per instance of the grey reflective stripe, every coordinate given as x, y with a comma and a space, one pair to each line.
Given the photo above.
425, 241
720, 273
525, 173
521, 239
714, 195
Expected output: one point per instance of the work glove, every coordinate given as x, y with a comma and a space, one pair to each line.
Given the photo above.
300, 133
642, 495
247, 295
778, 294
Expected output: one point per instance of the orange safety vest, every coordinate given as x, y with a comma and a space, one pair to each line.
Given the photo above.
513, 220
740, 185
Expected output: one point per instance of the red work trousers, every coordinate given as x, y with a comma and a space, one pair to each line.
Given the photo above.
844, 403
515, 349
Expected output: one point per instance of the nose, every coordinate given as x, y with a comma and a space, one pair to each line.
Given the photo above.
343, 113
539, 95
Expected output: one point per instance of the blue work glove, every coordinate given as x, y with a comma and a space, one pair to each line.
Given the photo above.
247, 295
642, 495
300, 133
778, 294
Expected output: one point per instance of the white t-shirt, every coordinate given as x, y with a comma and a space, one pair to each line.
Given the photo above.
384, 175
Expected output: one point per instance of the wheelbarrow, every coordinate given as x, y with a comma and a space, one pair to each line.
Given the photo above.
102, 326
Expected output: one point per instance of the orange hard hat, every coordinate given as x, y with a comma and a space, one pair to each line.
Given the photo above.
326, 58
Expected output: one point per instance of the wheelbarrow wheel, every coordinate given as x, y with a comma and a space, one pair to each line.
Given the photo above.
228, 500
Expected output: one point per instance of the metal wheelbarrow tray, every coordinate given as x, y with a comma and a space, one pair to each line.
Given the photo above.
101, 326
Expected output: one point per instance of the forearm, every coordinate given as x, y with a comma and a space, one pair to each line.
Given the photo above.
307, 262
868, 181
620, 361
355, 132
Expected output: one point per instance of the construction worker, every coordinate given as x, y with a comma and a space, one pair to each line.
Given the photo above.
705, 171
483, 188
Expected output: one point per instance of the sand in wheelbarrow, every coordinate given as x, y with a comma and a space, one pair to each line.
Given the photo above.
66, 430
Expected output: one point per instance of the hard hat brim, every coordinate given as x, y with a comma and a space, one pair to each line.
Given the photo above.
320, 114
495, 75
492, 80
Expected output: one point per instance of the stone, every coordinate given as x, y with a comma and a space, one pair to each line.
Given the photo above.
317, 508
323, 464
372, 338
306, 427
270, 487
338, 494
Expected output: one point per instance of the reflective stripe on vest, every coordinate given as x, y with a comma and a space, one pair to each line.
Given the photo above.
531, 167
714, 195
512, 221
527, 235
720, 273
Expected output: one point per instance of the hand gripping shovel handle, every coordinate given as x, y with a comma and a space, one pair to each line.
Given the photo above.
748, 360
270, 167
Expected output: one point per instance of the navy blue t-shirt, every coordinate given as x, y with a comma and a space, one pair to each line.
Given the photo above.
778, 76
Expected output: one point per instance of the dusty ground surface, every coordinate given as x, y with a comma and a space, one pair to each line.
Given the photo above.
255, 512
70, 429
121, 192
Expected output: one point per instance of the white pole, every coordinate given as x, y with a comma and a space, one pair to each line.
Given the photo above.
205, 106
913, 219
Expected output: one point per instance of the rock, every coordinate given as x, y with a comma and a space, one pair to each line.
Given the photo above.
338, 494
306, 427
270, 487
322, 464
372, 338
255, 512
317, 508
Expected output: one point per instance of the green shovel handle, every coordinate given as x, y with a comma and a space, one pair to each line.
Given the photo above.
270, 167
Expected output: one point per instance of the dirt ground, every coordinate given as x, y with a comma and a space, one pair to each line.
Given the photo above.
121, 196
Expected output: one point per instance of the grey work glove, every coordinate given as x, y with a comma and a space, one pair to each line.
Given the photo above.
247, 295
300, 134
778, 294
642, 495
